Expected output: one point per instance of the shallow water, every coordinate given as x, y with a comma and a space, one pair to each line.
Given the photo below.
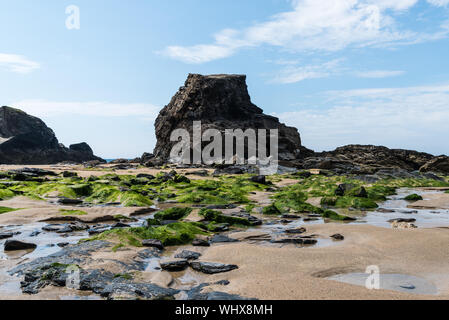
424, 218
395, 282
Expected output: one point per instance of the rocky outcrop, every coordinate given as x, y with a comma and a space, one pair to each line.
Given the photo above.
368, 159
25, 139
220, 102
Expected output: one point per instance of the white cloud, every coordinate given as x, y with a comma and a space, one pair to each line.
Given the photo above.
44, 108
376, 74
413, 117
439, 3
293, 74
17, 63
311, 25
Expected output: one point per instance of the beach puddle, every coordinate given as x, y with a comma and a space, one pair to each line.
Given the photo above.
425, 218
395, 282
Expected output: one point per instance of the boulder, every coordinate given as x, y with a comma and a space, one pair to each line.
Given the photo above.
174, 265
25, 139
219, 102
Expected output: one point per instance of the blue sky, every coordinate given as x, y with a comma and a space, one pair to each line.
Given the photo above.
341, 71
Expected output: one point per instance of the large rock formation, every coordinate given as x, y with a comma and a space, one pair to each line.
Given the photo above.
220, 102
25, 139
368, 159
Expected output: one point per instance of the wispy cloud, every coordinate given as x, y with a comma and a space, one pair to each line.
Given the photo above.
46, 108
17, 63
311, 26
439, 3
411, 117
293, 73
375, 74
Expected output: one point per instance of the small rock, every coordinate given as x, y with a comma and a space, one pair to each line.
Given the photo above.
67, 201
399, 220
338, 237
98, 230
298, 240
153, 244
383, 210
174, 265
212, 268
408, 211
35, 233
259, 179
188, 255
221, 206
222, 239
200, 243
6, 235
311, 219
296, 231
120, 225
408, 286
14, 245
290, 216
63, 244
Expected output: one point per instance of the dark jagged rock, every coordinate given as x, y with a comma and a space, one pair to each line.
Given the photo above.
219, 102
212, 268
25, 139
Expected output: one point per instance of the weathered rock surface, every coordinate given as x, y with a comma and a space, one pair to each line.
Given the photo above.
438, 164
376, 162
219, 102
25, 139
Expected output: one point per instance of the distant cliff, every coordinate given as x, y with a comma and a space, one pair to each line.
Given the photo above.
25, 139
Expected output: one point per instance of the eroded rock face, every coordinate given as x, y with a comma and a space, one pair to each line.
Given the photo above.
25, 139
438, 164
219, 102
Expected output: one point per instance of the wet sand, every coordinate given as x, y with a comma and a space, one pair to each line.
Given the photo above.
36, 211
291, 273
432, 201
275, 272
